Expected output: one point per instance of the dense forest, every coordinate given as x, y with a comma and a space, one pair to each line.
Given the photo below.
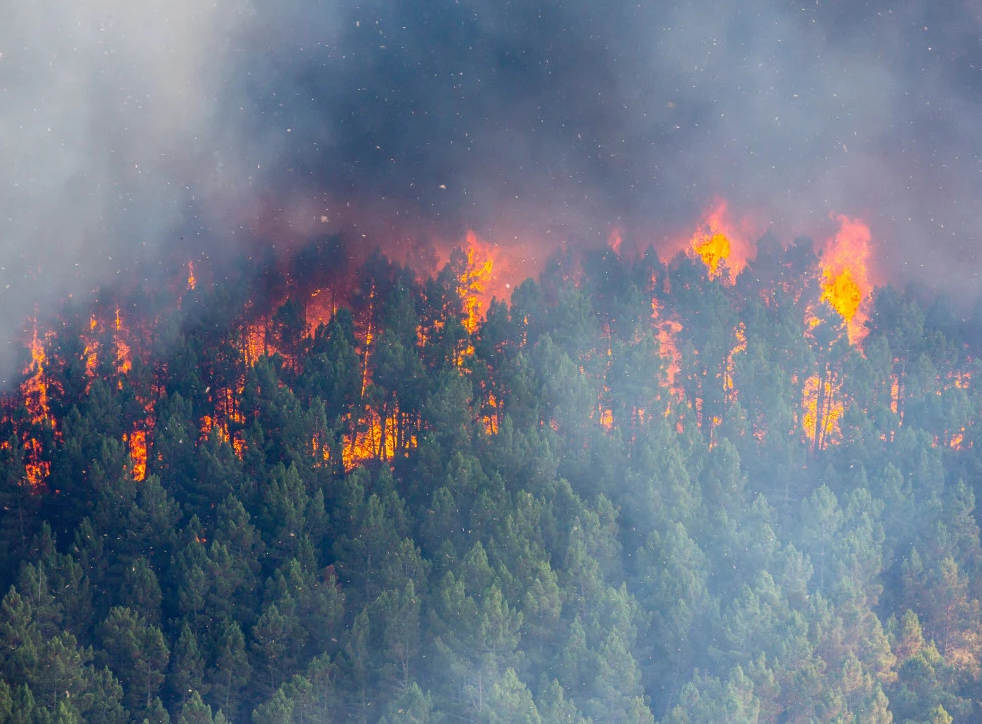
634, 492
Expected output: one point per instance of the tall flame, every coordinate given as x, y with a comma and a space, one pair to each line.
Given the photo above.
474, 282
34, 391
845, 282
721, 237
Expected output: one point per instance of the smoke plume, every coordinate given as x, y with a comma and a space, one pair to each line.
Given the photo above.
131, 131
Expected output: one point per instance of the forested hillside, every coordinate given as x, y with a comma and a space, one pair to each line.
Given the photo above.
633, 493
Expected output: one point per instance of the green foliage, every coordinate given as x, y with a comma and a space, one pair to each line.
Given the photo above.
603, 504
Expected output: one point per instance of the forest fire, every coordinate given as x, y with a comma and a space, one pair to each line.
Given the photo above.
35, 392
720, 239
822, 412
408, 363
475, 281
138, 453
615, 239
490, 363
845, 282
479, 273
35, 388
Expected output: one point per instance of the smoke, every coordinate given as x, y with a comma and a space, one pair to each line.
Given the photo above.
131, 131
526, 117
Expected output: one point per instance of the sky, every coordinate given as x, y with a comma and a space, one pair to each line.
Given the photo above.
135, 133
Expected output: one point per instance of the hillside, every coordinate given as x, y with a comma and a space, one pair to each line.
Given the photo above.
632, 493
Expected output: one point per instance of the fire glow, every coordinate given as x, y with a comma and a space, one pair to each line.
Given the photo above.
481, 271
845, 282
722, 240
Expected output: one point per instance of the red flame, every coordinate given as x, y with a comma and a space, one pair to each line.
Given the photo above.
615, 240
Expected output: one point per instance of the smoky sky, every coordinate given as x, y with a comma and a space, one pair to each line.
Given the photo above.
134, 132
580, 115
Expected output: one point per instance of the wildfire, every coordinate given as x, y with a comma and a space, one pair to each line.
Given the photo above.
474, 282
374, 430
741, 346
822, 409
35, 387
34, 391
712, 249
377, 441
615, 240
666, 331
124, 360
719, 237
138, 453
845, 284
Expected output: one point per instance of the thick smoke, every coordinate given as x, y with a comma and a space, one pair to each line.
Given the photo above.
578, 115
111, 142
130, 128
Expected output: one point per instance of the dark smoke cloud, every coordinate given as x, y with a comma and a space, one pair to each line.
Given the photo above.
126, 127
578, 115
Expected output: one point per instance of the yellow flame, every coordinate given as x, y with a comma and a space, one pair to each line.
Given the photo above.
842, 293
712, 249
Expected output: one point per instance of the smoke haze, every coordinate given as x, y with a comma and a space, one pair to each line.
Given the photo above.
129, 129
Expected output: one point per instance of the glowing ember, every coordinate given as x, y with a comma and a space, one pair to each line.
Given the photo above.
124, 361
254, 343
376, 441
34, 391
490, 420
822, 410
615, 240
192, 282
741, 346
845, 284
138, 453
667, 332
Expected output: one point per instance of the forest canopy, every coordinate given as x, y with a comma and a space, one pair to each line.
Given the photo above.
634, 492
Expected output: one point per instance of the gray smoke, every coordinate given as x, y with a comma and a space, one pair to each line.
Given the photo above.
130, 128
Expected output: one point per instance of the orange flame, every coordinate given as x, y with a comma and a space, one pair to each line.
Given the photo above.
822, 410
378, 441
124, 359
712, 249
845, 282
474, 282
667, 331
34, 391
720, 237
138, 453
741, 346
192, 281
35, 387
